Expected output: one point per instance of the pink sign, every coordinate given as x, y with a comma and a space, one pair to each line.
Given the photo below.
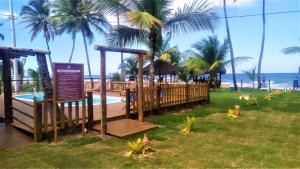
68, 79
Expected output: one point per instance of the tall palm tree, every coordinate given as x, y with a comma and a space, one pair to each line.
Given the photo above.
262, 46
78, 16
251, 75
21, 70
230, 46
150, 19
37, 16
291, 50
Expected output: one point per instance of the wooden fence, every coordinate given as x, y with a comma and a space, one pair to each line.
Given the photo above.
166, 95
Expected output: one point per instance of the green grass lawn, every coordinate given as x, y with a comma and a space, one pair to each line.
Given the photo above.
264, 136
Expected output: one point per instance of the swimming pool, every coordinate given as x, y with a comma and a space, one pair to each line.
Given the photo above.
40, 97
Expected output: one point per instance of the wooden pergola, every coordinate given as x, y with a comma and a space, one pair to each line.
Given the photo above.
103, 50
8, 53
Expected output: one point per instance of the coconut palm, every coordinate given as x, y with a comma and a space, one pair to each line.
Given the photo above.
169, 54
251, 75
21, 70
77, 16
262, 46
291, 50
37, 16
210, 55
130, 66
230, 46
149, 20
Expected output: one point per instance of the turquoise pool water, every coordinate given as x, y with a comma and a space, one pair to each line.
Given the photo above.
40, 96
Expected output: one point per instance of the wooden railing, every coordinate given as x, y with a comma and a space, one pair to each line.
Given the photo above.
166, 95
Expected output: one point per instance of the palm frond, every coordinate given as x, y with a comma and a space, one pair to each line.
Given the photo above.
143, 19
291, 50
124, 35
238, 60
193, 17
1, 36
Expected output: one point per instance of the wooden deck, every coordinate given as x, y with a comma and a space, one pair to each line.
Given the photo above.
125, 127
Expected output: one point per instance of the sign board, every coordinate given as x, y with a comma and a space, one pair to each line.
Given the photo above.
68, 82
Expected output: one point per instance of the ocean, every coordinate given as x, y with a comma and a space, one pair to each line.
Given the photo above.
277, 80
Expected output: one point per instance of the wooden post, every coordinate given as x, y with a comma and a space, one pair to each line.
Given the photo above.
186, 94
45, 116
38, 126
62, 115
77, 112
158, 98
127, 103
70, 114
7, 89
140, 88
208, 94
55, 118
103, 94
83, 116
90, 110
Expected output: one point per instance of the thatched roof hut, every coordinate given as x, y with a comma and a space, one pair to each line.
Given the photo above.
161, 68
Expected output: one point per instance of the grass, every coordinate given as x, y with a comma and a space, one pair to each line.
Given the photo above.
265, 136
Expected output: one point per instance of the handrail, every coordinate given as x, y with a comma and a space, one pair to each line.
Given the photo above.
22, 112
30, 105
20, 121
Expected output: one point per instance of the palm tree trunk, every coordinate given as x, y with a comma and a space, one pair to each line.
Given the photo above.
230, 46
72, 51
48, 48
152, 42
262, 48
87, 56
122, 57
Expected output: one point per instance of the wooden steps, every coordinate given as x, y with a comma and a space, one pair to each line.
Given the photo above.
22, 127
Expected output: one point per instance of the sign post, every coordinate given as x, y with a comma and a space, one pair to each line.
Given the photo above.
68, 86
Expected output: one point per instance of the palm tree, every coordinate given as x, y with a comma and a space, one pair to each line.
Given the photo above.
251, 75
150, 19
21, 71
210, 56
78, 16
35, 76
1, 35
130, 66
292, 50
262, 47
230, 46
116, 76
37, 16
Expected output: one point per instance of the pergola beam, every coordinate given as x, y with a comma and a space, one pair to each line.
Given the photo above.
119, 49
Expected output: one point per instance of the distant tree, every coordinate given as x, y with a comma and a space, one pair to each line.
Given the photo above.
78, 16
116, 76
262, 45
291, 50
131, 66
35, 76
230, 46
251, 75
37, 16
21, 70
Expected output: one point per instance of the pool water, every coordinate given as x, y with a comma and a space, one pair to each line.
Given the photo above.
40, 97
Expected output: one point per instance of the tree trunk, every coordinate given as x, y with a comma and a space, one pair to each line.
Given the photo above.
262, 48
48, 48
122, 56
152, 42
230, 47
87, 55
72, 51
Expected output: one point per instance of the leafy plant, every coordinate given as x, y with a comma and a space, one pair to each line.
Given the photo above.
269, 97
137, 148
116, 76
231, 113
276, 92
188, 125
251, 100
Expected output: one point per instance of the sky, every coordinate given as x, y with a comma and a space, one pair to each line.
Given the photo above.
282, 30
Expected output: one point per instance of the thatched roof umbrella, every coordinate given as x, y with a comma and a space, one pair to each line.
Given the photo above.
161, 68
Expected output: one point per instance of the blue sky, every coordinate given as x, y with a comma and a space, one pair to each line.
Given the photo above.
282, 30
